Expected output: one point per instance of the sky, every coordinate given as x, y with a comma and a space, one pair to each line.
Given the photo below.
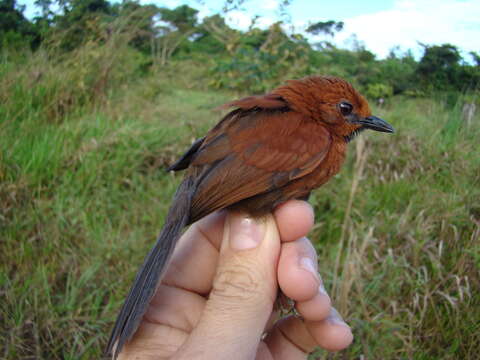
379, 24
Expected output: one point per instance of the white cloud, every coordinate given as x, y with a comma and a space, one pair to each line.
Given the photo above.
409, 22
203, 12
264, 22
238, 19
405, 24
269, 5
241, 20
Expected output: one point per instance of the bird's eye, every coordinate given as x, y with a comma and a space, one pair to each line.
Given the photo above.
345, 108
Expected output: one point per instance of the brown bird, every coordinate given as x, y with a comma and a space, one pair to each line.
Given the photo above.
270, 149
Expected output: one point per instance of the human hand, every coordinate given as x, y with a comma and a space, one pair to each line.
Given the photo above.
216, 300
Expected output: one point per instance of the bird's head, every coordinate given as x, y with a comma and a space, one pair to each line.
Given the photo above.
334, 102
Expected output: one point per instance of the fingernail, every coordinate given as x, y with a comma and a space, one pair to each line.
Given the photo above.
245, 232
306, 263
335, 318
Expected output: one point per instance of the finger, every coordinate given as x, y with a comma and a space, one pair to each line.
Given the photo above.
194, 260
297, 270
176, 308
170, 317
152, 341
290, 340
332, 333
316, 308
244, 290
294, 218
263, 353
296, 337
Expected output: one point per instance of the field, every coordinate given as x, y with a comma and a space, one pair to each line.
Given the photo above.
83, 193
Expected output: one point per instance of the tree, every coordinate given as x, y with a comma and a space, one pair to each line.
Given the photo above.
11, 16
326, 28
179, 24
76, 21
140, 19
329, 28
438, 66
215, 27
15, 29
398, 72
183, 17
475, 57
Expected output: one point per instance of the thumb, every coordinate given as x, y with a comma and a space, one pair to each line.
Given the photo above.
244, 290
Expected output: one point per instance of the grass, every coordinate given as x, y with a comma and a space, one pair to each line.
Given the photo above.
83, 193
407, 281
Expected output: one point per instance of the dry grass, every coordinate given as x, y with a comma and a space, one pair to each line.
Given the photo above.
410, 225
83, 193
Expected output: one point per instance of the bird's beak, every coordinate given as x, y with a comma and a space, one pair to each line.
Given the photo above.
375, 123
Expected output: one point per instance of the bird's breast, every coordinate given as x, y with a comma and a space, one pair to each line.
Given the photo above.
329, 167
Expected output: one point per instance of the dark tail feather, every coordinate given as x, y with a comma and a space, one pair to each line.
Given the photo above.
150, 272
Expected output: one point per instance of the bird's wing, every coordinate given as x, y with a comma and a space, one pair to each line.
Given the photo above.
253, 153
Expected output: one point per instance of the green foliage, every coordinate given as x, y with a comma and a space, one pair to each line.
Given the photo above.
11, 17
16, 32
91, 115
476, 57
57, 85
142, 20
182, 17
325, 27
377, 91
80, 21
83, 194
261, 60
398, 72
440, 69
215, 34
438, 63
248, 61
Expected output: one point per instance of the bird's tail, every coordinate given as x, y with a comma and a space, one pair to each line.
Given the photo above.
151, 271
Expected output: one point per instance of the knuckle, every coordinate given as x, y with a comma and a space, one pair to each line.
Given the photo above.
238, 282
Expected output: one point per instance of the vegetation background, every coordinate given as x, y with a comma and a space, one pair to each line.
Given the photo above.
97, 98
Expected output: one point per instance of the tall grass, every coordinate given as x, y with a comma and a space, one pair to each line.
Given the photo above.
407, 209
83, 194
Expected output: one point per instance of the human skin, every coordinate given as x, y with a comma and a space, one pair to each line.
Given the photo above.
217, 298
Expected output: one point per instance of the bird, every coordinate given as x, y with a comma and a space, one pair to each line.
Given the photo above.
266, 150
